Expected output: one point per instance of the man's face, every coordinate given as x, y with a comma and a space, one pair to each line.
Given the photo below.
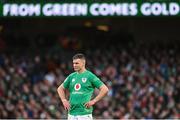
78, 64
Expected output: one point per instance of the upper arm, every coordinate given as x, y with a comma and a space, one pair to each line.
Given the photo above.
96, 82
61, 87
66, 83
103, 87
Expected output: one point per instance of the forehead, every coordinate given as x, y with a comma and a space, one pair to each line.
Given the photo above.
77, 60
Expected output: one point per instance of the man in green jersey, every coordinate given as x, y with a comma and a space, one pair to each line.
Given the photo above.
81, 85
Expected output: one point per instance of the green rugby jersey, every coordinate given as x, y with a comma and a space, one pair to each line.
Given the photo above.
81, 87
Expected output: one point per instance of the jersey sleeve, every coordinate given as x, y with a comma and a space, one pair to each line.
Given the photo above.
96, 82
66, 82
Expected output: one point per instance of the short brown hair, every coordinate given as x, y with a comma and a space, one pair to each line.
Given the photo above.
79, 56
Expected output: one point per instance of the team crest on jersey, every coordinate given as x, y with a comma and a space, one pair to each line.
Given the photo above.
73, 79
84, 80
77, 86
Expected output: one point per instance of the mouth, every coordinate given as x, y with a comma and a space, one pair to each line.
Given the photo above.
75, 68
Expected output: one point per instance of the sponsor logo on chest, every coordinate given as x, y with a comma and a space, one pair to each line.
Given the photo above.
77, 86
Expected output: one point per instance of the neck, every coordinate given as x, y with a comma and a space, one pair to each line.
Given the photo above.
82, 70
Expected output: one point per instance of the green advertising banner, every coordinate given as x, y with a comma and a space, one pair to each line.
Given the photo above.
89, 9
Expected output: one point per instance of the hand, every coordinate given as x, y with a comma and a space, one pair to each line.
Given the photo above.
90, 103
66, 104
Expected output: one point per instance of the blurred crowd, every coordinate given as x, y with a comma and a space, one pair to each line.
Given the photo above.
143, 82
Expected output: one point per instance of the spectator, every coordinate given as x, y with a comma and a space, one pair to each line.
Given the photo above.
143, 83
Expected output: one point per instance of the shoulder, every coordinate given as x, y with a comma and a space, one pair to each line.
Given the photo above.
74, 73
89, 72
71, 75
92, 75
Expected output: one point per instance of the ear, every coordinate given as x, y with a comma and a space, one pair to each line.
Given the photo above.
84, 62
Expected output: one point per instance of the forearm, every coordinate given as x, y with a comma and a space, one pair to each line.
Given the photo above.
103, 91
61, 93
